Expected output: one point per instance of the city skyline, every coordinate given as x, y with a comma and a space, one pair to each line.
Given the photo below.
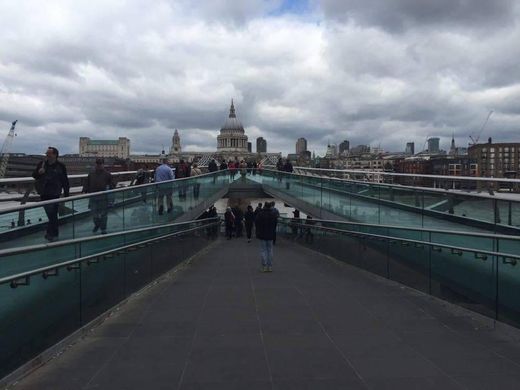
324, 70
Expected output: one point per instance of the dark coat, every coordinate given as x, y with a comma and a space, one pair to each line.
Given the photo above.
249, 217
212, 166
182, 171
50, 183
99, 180
229, 218
265, 224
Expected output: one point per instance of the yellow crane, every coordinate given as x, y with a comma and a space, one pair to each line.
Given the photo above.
4, 153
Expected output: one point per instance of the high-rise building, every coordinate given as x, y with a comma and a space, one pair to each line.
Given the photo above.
301, 146
104, 148
249, 147
344, 146
433, 145
261, 145
410, 148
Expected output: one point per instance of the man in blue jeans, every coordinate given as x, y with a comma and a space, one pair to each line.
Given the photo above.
265, 224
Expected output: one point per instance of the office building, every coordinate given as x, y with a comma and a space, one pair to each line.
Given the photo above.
433, 145
344, 147
261, 145
301, 146
104, 148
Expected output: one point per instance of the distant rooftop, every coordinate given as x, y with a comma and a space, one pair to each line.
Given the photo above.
102, 142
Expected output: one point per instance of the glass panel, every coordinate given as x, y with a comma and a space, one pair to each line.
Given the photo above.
508, 297
37, 316
473, 208
102, 285
463, 240
46, 255
138, 268
373, 253
409, 263
464, 279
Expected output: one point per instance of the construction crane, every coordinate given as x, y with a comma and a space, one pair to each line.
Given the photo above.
4, 153
474, 140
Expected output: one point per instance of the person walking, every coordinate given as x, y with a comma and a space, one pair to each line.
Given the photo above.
182, 172
249, 218
212, 213
229, 221
258, 209
288, 167
51, 179
265, 225
99, 180
164, 173
195, 171
279, 168
213, 167
239, 216
243, 170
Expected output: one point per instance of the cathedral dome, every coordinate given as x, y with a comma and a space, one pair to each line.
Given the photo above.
232, 136
232, 123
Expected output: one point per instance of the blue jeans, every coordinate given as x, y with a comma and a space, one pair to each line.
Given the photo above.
266, 252
52, 214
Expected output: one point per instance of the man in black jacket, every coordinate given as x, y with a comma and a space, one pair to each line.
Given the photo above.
51, 179
213, 167
265, 224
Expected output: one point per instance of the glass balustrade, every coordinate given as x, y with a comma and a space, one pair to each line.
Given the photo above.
40, 309
127, 208
476, 271
399, 205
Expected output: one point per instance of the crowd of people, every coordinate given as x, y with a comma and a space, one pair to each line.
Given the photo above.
51, 182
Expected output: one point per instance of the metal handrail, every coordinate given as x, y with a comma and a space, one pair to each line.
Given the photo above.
31, 248
92, 194
449, 232
432, 244
464, 178
400, 186
42, 270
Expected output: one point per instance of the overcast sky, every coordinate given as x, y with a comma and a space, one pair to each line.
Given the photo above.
378, 72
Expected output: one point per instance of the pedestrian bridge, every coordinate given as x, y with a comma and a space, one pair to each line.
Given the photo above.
204, 317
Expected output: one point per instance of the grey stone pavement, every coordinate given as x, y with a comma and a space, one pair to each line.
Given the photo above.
314, 323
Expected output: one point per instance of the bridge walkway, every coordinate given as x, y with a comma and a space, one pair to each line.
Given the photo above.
314, 323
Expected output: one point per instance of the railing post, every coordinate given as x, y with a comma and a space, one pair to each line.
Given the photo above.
495, 259
321, 196
430, 264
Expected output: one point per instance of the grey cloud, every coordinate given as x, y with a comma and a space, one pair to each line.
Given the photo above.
400, 15
235, 13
